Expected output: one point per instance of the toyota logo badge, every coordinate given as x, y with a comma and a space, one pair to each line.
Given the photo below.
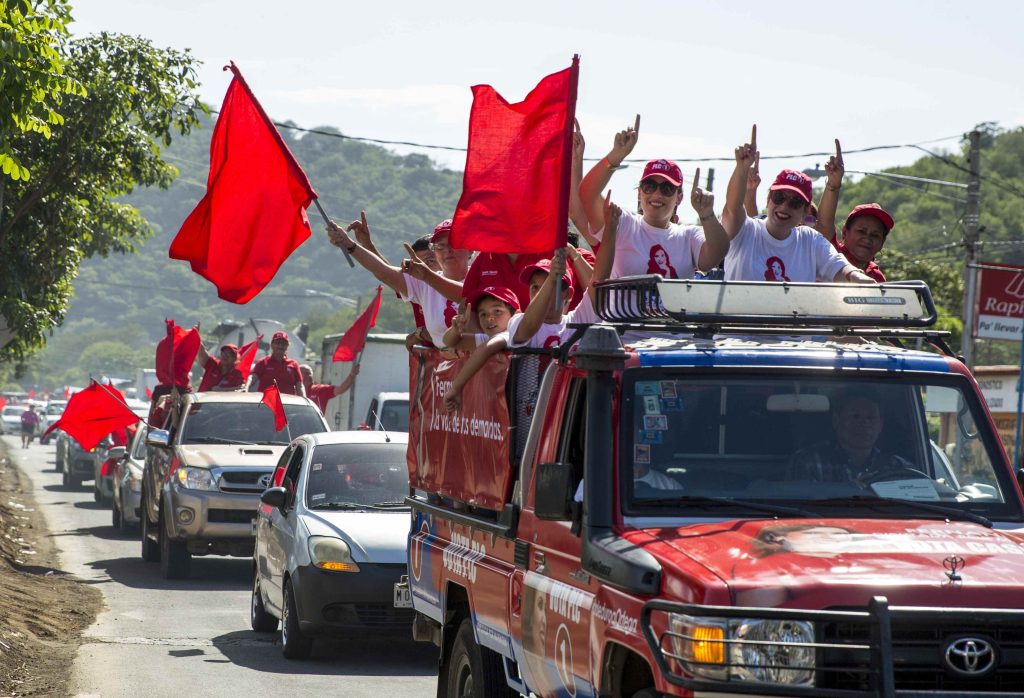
970, 656
265, 481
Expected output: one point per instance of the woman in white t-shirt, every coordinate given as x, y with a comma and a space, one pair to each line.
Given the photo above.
649, 242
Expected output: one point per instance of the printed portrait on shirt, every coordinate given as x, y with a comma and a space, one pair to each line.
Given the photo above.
775, 269
659, 263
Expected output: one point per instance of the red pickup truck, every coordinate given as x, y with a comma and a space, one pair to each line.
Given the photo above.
727, 488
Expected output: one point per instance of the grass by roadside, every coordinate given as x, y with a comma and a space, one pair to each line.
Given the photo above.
43, 611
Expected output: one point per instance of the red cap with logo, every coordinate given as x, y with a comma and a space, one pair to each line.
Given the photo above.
230, 347
872, 209
502, 293
664, 169
280, 335
442, 228
793, 181
543, 265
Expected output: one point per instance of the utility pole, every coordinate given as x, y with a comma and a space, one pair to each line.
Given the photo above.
971, 245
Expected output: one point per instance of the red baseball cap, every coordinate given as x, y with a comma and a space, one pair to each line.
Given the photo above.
543, 265
232, 347
665, 169
280, 335
793, 181
442, 228
502, 293
872, 209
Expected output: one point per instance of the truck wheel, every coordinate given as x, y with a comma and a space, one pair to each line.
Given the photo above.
150, 549
175, 559
474, 671
260, 620
294, 644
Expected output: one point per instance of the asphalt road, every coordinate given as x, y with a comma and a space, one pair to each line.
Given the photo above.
191, 637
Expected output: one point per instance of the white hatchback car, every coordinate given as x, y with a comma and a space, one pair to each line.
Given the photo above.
331, 540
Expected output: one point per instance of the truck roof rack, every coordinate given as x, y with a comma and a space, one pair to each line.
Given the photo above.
742, 305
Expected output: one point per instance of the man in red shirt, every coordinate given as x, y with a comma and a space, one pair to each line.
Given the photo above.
220, 374
321, 393
278, 367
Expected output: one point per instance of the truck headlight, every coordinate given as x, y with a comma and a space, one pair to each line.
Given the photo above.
195, 478
744, 649
331, 554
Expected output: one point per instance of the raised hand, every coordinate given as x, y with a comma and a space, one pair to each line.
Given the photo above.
558, 265
625, 141
747, 153
337, 236
703, 202
612, 214
361, 229
414, 266
578, 144
835, 169
754, 175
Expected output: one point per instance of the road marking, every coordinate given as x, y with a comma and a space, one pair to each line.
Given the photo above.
180, 641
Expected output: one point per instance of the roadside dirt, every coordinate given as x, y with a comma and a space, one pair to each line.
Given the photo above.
43, 610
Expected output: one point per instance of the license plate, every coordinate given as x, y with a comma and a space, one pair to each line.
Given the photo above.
403, 596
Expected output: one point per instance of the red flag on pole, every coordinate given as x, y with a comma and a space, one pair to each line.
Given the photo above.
175, 354
93, 413
246, 357
354, 339
254, 213
515, 190
272, 399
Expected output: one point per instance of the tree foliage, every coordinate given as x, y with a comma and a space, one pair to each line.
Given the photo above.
136, 98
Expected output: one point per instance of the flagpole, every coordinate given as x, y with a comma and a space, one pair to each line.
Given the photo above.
329, 223
1020, 402
352, 390
287, 426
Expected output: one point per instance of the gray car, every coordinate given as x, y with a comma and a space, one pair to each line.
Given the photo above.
127, 481
331, 540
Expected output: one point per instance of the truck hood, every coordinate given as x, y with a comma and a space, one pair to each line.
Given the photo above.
374, 536
825, 563
220, 455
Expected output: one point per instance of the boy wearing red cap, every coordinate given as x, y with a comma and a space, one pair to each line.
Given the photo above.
220, 374
779, 247
278, 367
651, 243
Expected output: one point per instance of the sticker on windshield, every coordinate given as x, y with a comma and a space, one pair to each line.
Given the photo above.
317, 497
668, 388
641, 453
317, 466
671, 404
920, 489
652, 405
655, 422
648, 388
649, 437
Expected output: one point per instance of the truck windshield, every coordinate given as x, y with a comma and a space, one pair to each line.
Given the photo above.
832, 447
246, 423
357, 474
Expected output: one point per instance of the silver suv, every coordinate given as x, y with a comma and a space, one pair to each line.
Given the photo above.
205, 471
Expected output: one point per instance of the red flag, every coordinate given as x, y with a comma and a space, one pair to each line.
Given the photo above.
111, 388
254, 213
3, 402
246, 357
515, 190
354, 339
149, 393
175, 354
93, 413
67, 391
31, 393
272, 399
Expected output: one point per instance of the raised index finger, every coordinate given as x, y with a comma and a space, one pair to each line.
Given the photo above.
839, 151
696, 182
410, 251
636, 126
362, 217
753, 136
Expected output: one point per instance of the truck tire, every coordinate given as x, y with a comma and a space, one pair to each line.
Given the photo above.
175, 559
150, 549
474, 671
294, 644
260, 620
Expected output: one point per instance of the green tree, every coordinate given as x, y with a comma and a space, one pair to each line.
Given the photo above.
137, 97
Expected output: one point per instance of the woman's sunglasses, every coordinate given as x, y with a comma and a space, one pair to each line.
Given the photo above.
794, 202
648, 186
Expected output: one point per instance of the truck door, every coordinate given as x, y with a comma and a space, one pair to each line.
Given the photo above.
558, 594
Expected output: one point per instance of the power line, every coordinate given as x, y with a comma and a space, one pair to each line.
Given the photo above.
985, 178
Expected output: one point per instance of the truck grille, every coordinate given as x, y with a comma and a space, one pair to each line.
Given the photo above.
230, 516
380, 617
246, 481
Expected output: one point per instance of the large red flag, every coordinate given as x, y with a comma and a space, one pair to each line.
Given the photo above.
515, 190
272, 399
354, 339
246, 356
93, 413
176, 353
254, 213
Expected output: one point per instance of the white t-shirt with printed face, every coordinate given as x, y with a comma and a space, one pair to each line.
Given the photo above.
553, 334
438, 311
806, 256
641, 248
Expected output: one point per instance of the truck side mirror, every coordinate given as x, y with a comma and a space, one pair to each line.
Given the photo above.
158, 437
116, 452
274, 497
554, 492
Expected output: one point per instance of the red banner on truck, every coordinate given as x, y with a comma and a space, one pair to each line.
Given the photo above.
463, 454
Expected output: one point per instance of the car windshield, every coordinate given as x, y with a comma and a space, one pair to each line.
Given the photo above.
394, 416
246, 423
357, 474
14, 410
55, 408
905, 446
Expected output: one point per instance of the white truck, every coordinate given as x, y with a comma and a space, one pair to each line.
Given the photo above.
383, 372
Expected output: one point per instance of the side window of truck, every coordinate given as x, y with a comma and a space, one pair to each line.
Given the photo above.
572, 436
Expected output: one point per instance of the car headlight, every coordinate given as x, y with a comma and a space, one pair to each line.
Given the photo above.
195, 478
331, 554
745, 649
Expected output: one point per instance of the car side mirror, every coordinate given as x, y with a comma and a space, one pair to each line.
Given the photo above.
116, 452
554, 492
158, 437
274, 497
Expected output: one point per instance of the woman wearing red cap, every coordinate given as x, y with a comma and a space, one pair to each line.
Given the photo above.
220, 374
651, 235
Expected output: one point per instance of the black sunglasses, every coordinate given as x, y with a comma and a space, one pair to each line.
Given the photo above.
794, 202
648, 186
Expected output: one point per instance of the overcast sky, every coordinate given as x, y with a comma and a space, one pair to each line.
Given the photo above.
870, 73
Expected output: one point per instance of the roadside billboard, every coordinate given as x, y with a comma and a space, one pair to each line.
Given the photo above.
1000, 305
